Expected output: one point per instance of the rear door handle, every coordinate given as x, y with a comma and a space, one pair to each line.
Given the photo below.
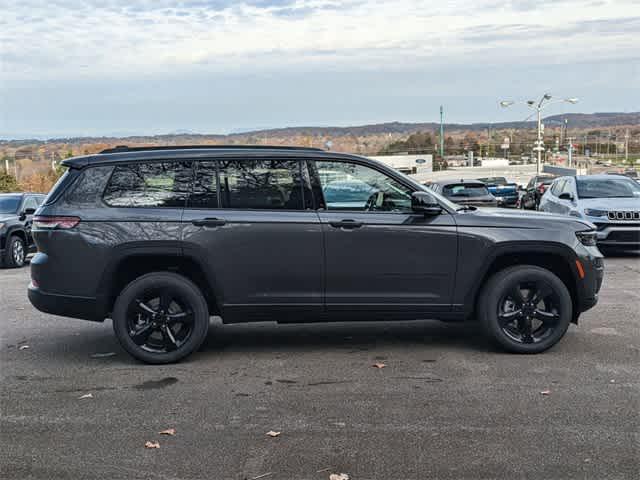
346, 224
208, 222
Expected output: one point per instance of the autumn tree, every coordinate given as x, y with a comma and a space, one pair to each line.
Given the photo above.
8, 182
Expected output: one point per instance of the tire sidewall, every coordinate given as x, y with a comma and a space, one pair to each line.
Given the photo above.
188, 290
494, 292
9, 261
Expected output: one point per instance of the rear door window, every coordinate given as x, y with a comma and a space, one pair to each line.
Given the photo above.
259, 184
158, 184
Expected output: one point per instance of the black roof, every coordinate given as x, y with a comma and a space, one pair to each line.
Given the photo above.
128, 154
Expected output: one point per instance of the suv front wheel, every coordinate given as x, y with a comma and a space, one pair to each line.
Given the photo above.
161, 318
525, 309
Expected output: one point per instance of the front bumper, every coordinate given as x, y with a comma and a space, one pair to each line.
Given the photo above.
618, 234
589, 286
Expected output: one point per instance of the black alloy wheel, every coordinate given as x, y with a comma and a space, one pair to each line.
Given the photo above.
161, 317
529, 312
525, 309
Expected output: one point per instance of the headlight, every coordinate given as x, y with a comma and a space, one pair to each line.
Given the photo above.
593, 212
1, 226
575, 213
587, 238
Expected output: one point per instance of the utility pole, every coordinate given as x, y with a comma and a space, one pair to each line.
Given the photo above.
570, 150
441, 131
626, 145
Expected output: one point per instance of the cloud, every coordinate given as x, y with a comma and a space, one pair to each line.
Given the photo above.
51, 39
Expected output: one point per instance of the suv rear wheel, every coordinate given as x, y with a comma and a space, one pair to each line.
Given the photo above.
525, 309
15, 253
161, 317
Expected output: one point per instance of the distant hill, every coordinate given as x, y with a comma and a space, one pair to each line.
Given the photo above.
182, 136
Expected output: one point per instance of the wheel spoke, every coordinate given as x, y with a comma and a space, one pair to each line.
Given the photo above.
542, 291
508, 317
525, 330
168, 339
165, 300
516, 296
546, 317
180, 317
145, 308
141, 335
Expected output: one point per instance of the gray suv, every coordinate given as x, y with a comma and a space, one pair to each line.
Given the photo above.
160, 239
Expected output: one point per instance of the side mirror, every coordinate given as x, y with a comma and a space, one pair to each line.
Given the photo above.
29, 211
565, 196
422, 202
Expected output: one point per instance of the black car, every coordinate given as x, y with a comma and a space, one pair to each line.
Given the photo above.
465, 192
159, 240
530, 199
16, 212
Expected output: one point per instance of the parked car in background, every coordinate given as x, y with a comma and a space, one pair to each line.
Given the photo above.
465, 192
610, 202
16, 212
160, 239
506, 193
534, 190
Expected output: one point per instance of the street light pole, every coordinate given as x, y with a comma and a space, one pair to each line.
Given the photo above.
539, 106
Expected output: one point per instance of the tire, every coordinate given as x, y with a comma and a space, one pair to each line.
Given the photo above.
160, 318
15, 252
539, 325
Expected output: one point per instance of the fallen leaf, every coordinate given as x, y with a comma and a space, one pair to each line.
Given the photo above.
168, 431
271, 433
152, 445
338, 476
545, 392
103, 355
24, 347
378, 365
86, 395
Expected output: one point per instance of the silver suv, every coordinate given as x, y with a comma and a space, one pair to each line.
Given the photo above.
611, 202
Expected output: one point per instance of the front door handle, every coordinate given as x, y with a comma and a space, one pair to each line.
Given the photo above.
346, 224
208, 222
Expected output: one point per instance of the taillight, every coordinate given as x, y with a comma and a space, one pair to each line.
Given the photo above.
55, 223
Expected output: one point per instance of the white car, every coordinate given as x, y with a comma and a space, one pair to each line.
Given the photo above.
611, 202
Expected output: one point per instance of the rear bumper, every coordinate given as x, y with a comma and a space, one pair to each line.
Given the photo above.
85, 308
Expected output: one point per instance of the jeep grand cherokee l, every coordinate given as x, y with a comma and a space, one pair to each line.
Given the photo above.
160, 239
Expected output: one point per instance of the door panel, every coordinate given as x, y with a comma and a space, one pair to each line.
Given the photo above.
379, 254
393, 261
260, 259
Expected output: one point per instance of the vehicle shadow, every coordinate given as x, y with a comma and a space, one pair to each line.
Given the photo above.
349, 336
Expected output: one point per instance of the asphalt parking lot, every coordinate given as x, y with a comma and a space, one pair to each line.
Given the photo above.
446, 405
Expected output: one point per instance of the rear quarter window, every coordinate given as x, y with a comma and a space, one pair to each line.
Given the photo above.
157, 184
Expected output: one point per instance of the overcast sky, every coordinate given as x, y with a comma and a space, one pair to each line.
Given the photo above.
213, 66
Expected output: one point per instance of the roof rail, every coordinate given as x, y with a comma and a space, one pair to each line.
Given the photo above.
125, 148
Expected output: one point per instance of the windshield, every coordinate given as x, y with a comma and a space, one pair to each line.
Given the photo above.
466, 190
9, 203
608, 188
